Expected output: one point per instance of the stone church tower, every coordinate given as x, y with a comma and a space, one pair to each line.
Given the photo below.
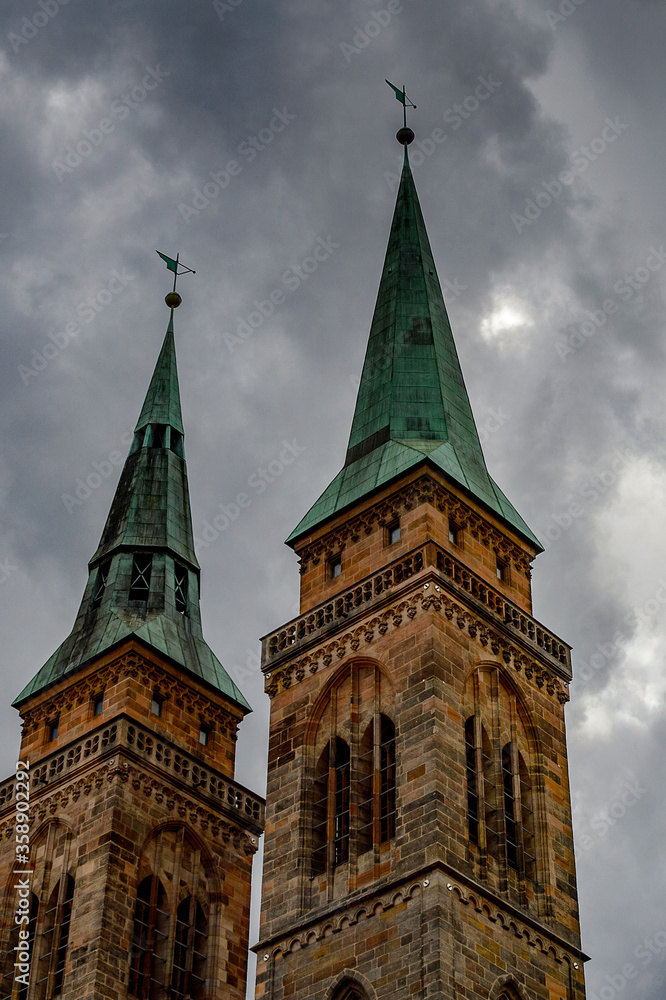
418, 827
133, 877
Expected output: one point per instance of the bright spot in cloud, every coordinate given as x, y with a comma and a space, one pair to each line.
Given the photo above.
508, 322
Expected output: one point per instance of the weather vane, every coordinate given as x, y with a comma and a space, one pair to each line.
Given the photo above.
404, 135
172, 298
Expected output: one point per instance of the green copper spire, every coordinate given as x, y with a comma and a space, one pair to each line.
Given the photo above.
412, 405
144, 577
162, 403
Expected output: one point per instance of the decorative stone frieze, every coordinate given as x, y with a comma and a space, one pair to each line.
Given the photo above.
429, 597
424, 490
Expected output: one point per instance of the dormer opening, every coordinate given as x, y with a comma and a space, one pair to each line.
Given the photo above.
100, 584
142, 564
137, 443
176, 445
180, 586
159, 435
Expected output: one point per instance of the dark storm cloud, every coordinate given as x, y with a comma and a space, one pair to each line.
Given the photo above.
520, 289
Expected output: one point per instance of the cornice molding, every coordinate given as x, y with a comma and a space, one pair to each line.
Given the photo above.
424, 490
329, 924
131, 664
406, 607
182, 806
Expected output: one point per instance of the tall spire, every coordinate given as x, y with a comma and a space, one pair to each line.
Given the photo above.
143, 579
152, 503
412, 405
162, 403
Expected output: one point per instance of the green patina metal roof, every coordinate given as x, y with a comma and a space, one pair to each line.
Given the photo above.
162, 403
412, 405
150, 515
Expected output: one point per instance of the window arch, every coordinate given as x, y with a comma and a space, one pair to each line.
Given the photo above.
170, 940
349, 991
506, 989
499, 787
351, 817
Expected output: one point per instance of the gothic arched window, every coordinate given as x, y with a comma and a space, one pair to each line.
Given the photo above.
376, 784
149, 940
169, 952
482, 817
189, 958
510, 819
527, 816
331, 805
472, 782
353, 788
349, 991
500, 800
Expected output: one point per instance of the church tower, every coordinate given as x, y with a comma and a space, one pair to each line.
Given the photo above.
418, 827
127, 845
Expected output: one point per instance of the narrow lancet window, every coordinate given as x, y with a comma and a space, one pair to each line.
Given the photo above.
341, 803
149, 941
189, 956
387, 780
510, 824
472, 785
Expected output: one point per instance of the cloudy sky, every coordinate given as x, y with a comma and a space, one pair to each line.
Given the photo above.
246, 134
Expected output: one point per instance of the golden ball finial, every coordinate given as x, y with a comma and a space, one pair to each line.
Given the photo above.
173, 300
405, 136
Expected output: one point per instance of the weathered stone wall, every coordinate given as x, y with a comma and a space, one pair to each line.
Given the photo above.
114, 783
